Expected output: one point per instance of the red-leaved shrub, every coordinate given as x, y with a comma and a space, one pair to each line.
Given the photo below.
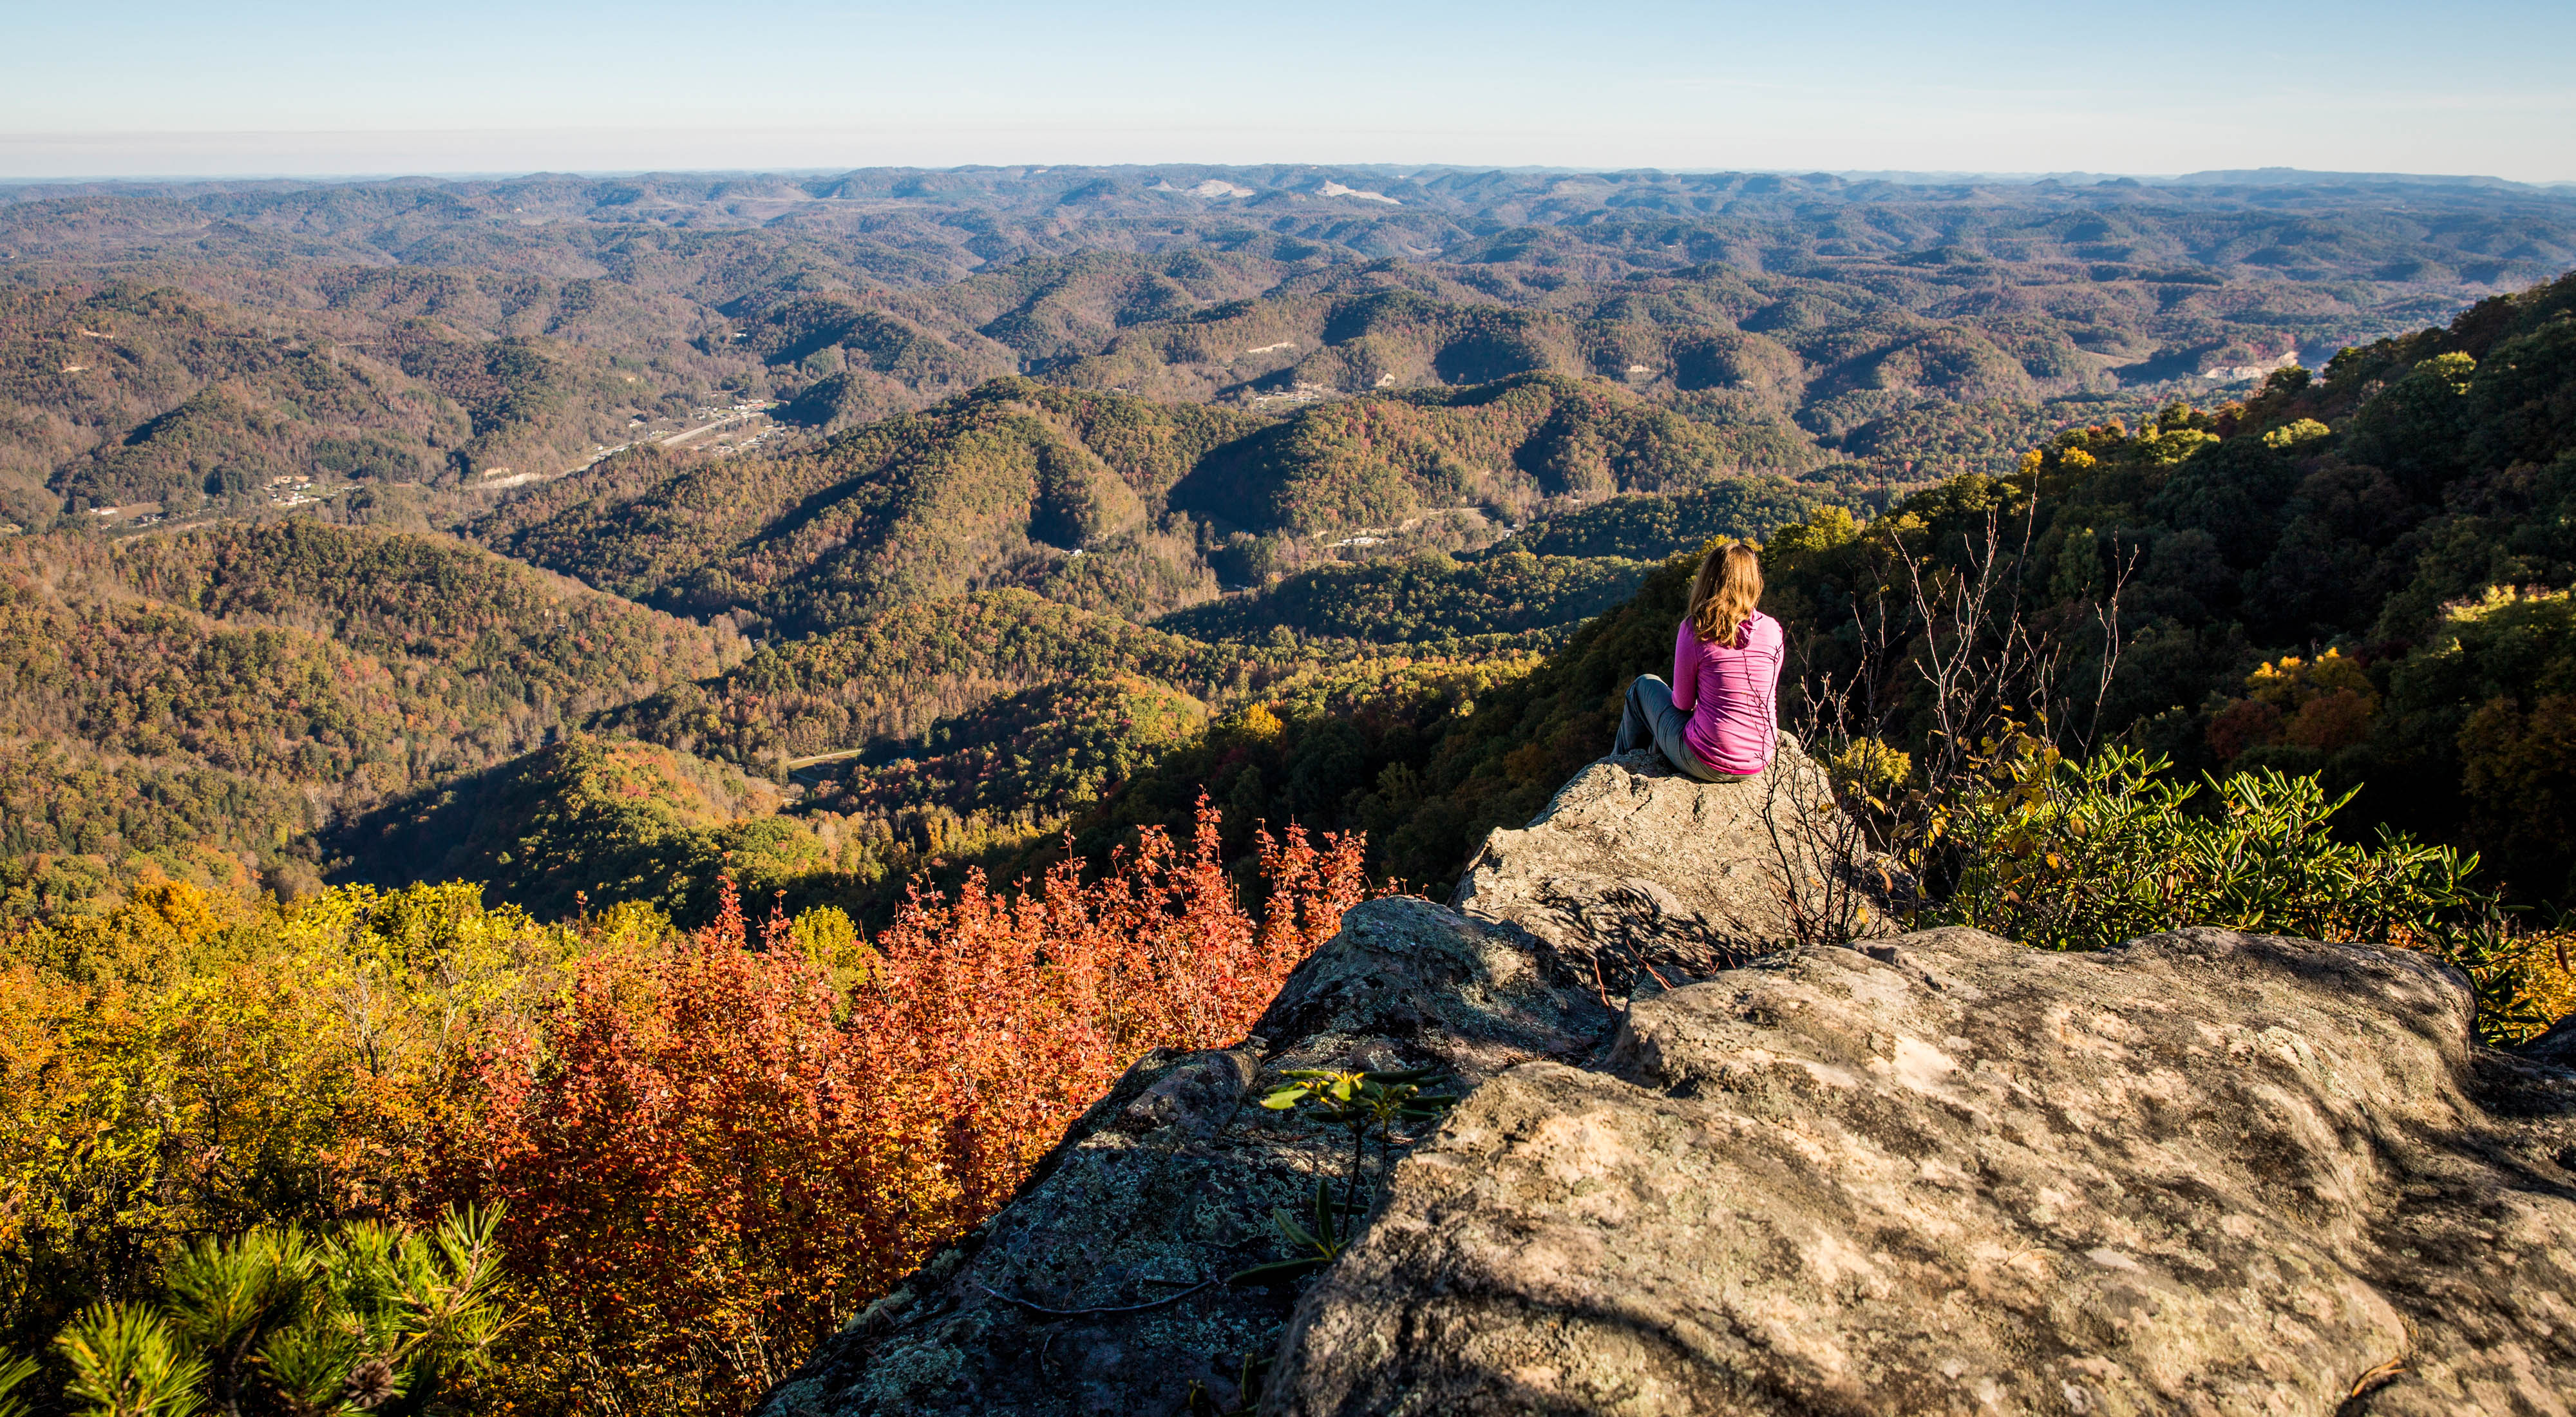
710, 1156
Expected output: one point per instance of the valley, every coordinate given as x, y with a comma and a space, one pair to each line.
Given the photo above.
1270, 442
757, 698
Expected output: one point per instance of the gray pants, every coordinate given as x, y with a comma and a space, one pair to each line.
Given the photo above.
1650, 718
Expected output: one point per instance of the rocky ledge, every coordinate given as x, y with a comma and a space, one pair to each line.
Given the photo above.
2202, 1173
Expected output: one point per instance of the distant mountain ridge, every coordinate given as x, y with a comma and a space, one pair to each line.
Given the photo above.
463, 336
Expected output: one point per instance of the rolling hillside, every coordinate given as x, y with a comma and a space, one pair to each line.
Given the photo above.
260, 685
1128, 455
442, 336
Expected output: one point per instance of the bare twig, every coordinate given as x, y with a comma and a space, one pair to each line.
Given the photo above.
1985, 666
2378, 1377
1037, 1308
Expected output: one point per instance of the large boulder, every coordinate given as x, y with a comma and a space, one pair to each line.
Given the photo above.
2202, 1173
1634, 867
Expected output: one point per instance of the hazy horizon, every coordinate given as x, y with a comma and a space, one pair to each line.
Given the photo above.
298, 89
1913, 176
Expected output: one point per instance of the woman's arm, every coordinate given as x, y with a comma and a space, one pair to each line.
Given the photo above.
1686, 659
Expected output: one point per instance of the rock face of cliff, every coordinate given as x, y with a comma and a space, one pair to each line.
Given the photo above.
1633, 873
2205, 1172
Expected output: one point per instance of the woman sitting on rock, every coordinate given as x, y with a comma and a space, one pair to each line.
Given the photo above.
1718, 720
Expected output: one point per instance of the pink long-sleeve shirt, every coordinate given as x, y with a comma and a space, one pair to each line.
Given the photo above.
1732, 694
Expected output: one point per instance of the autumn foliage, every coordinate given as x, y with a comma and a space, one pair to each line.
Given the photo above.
711, 1146
712, 1151
1007, 1015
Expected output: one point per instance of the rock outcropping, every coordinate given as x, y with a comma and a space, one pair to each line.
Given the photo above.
1632, 870
2205, 1172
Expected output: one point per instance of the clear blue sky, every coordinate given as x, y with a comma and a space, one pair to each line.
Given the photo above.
161, 87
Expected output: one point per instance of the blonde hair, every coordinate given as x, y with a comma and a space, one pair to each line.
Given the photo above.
1728, 587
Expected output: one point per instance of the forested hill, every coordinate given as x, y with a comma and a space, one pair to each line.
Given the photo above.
1000, 484
918, 227
2366, 575
162, 401
1210, 455
2355, 573
408, 348
1099, 500
2335, 574
210, 703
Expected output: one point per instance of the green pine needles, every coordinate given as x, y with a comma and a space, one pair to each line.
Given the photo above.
369, 1318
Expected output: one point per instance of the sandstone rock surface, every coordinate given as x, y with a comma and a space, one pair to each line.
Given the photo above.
2204, 1173
1632, 866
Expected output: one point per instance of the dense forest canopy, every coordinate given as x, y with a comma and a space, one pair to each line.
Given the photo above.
261, 681
181, 346
1379, 446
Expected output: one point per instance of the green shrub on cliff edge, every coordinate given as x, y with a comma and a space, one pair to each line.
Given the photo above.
2082, 855
2085, 855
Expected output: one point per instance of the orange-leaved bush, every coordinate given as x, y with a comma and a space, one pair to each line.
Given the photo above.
710, 1154
1010, 1015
